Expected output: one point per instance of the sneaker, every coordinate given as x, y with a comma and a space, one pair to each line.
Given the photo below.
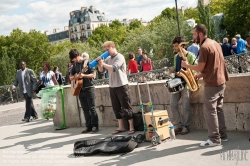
34, 118
86, 131
184, 131
177, 130
224, 140
25, 120
95, 129
209, 143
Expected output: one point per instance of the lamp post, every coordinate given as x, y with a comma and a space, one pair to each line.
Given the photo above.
178, 23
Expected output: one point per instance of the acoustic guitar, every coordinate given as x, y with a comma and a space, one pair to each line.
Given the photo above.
76, 85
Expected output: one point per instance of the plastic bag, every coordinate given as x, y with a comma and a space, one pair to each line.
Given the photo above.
48, 104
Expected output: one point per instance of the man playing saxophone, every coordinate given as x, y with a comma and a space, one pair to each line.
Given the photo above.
213, 70
181, 127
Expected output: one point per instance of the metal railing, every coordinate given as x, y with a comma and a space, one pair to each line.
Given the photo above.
239, 63
8, 96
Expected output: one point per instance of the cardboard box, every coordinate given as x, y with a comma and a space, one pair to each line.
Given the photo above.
162, 131
161, 119
158, 117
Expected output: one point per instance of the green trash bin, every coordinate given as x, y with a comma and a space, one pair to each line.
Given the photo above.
48, 104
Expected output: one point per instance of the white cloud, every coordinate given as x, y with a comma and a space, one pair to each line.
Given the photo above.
8, 5
47, 14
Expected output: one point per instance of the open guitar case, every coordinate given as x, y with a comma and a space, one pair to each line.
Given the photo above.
108, 145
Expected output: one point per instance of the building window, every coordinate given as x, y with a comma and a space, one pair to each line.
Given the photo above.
88, 26
89, 34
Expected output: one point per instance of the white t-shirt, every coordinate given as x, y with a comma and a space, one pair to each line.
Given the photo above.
24, 87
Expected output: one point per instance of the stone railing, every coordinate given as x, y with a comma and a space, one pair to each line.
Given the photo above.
8, 96
236, 106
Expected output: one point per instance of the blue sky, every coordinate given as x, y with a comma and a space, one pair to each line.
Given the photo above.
49, 14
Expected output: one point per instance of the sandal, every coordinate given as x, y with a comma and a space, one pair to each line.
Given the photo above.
131, 131
118, 131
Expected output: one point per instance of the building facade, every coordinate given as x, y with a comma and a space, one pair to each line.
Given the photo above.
58, 36
83, 22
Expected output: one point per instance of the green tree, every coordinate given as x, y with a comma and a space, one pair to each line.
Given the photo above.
61, 59
192, 13
157, 39
32, 47
7, 68
134, 24
115, 32
205, 18
237, 17
217, 6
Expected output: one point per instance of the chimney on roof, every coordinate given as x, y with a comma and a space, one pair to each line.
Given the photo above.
66, 28
46, 32
55, 30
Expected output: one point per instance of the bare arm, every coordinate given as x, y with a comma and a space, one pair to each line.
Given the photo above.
101, 64
54, 79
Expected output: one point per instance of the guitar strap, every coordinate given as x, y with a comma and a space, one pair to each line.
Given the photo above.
84, 67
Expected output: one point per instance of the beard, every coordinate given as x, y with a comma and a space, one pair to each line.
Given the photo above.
198, 40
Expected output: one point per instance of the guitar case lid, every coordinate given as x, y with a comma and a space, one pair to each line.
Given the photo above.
108, 145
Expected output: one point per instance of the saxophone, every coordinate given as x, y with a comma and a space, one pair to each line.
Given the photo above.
187, 75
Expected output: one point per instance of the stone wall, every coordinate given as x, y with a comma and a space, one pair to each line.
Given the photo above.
236, 104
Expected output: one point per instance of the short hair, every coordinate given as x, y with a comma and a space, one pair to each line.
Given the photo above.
144, 52
225, 40
22, 61
237, 36
109, 44
201, 28
139, 48
178, 39
47, 65
55, 67
86, 54
131, 55
73, 53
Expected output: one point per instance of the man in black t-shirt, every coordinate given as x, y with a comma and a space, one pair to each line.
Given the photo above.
87, 93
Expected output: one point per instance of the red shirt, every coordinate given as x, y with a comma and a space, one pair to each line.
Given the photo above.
132, 66
146, 66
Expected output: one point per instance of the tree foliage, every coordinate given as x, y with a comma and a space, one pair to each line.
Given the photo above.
205, 18
115, 32
237, 17
61, 59
134, 24
7, 68
156, 39
191, 13
32, 47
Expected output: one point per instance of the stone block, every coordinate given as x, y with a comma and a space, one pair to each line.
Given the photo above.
229, 110
238, 88
243, 116
102, 96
